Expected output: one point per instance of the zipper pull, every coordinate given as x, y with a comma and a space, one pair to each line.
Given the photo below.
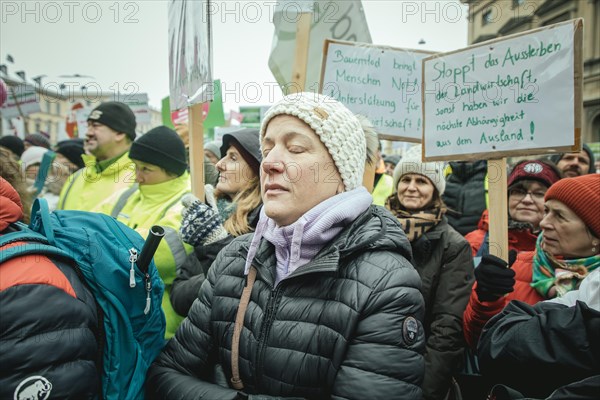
148, 291
133, 256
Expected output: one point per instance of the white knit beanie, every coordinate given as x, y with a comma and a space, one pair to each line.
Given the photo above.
337, 127
33, 155
411, 163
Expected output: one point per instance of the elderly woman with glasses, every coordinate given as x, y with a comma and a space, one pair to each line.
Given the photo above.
527, 184
567, 249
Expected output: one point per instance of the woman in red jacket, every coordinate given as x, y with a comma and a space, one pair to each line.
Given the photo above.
527, 184
566, 251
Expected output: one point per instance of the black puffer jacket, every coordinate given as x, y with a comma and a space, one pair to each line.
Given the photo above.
192, 273
465, 195
48, 331
48, 321
347, 325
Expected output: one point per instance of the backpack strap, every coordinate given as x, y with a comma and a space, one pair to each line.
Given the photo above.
40, 214
22, 236
45, 165
72, 178
236, 382
123, 200
32, 248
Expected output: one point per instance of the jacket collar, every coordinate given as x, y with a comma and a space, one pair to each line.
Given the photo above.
164, 190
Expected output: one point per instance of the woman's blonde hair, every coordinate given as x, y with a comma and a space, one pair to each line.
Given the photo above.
245, 201
13, 173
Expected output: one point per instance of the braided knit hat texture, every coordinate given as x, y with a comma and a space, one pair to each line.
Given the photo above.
335, 125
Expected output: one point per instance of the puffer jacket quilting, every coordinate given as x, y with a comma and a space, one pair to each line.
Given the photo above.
335, 328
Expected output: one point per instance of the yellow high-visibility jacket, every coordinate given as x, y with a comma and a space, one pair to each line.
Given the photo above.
383, 190
86, 189
141, 207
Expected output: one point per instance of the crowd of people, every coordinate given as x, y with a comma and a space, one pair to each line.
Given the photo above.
315, 266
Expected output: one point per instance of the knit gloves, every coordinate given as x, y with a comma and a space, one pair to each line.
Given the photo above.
201, 224
494, 277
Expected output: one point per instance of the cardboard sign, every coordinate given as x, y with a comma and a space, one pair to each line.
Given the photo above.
337, 19
190, 53
382, 83
511, 96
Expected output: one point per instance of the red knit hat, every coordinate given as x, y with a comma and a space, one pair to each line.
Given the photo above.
533, 170
582, 195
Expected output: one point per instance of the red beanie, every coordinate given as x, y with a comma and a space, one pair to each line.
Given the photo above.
533, 170
582, 195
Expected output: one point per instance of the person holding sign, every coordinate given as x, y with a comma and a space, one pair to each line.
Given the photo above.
443, 259
527, 184
231, 210
559, 339
321, 301
566, 251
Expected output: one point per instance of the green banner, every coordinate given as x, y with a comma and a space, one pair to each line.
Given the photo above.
166, 113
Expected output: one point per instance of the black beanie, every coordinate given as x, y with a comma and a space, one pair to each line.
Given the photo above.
37, 139
72, 150
163, 147
13, 143
117, 116
248, 144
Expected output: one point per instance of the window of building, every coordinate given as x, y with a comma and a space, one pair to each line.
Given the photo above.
487, 17
517, 3
561, 18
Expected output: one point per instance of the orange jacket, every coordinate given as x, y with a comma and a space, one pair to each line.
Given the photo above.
478, 313
518, 239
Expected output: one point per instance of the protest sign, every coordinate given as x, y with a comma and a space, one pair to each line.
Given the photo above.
190, 53
190, 74
138, 102
512, 96
383, 83
21, 101
340, 20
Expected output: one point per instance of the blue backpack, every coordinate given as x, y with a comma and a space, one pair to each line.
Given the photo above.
106, 252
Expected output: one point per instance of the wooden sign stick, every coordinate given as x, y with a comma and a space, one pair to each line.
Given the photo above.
196, 150
301, 55
498, 208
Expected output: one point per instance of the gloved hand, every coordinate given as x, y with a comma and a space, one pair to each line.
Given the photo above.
201, 224
209, 197
494, 277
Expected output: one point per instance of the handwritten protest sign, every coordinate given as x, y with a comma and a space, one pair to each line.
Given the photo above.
512, 96
22, 100
382, 83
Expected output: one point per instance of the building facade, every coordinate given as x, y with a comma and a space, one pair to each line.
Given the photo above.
55, 105
489, 19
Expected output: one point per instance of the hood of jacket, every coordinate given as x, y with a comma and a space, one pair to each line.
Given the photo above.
466, 170
11, 209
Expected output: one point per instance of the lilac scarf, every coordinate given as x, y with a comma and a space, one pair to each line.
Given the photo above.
298, 243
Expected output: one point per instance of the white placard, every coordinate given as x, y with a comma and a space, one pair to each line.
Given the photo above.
337, 19
138, 103
190, 53
27, 99
499, 98
379, 82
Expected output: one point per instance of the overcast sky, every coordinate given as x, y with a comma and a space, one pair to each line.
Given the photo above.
119, 43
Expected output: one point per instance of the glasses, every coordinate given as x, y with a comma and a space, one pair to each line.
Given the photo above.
520, 194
